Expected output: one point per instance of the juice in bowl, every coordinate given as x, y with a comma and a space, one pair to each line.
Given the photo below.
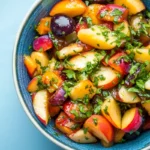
81, 70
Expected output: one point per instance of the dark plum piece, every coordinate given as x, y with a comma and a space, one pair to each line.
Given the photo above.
58, 98
62, 25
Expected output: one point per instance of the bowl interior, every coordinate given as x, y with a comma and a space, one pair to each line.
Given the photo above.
25, 40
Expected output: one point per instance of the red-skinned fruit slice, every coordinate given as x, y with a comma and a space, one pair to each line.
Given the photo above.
82, 137
119, 63
108, 13
41, 106
106, 77
131, 120
65, 124
100, 127
77, 111
81, 25
42, 43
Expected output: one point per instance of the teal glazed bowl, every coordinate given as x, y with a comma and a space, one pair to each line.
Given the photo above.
24, 38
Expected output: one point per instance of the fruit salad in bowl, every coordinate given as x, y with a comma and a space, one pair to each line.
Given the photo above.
87, 72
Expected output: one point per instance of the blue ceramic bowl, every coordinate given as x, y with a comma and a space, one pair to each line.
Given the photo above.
24, 39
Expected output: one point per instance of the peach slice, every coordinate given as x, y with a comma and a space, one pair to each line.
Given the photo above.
41, 59
94, 37
100, 127
118, 62
131, 120
41, 106
111, 111
141, 54
52, 80
82, 137
70, 50
127, 97
79, 62
92, 11
70, 8
125, 29
65, 125
33, 84
134, 6
83, 88
44, 26
146, 106
119, 134
53, 110
30, 65
107, 77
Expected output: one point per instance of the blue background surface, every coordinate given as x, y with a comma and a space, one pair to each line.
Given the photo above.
16, 130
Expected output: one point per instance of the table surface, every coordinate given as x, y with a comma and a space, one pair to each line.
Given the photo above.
16, 130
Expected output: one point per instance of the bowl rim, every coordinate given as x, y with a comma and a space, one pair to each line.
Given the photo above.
19, 32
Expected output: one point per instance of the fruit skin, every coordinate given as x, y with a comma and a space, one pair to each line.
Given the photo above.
100, 128
108, 11
62, 25
69, 106
131, 120
58, 98
119, 64
44, 26
42, 43
146, 106
134, 6
89, 36
111, 77
82, 25
30, 65
79, 62
66, 125
112, 113
146, 125
70, 8
41, 106
81, 137
127, 97
83, 88
108, 24
92, 11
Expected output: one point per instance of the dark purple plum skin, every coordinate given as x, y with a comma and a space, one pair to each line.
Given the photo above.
58, 98
62, 25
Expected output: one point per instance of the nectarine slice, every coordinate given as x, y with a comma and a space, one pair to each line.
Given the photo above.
82, 89
95, 37
146, 106
128, 97
106, 77
131, 120
41, 106
100, 127
82, 136
111, 111
70, 8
